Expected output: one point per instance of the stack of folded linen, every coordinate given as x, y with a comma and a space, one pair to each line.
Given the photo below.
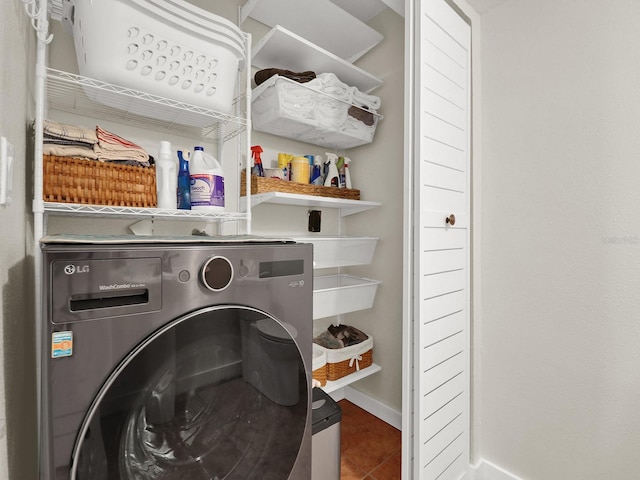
112, 148
63, 140
68, 140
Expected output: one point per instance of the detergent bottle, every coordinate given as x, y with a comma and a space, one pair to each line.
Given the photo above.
207, 182
166, 177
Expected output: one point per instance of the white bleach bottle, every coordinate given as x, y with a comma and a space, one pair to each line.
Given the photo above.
166, 177
207, 182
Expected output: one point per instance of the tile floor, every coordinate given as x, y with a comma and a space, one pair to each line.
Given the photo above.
370, 448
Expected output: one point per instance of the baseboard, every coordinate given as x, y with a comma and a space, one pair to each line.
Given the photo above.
485, 470
374, 407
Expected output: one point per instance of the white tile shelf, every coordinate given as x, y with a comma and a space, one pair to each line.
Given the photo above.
346, 207
332, 386
160, 213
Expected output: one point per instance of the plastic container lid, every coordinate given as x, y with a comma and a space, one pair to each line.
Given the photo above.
273, 330
325, 411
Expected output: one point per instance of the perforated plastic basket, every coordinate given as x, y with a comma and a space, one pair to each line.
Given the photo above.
138, 45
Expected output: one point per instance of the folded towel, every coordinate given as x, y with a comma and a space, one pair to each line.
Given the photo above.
330, 84
326, 340
340, 336
111, 147
362, 114
53, 129
370, 101
69, 151
347, 335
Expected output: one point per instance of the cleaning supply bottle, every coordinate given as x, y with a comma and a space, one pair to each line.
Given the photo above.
347, 175
333, 177
184, 183
257, 169
300, 170
316, 174
341, 174
284, 164
166, 177
207, 182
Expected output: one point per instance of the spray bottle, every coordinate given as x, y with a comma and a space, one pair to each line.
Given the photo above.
341, 174
316, 174
257, 169
347, 175
333, 177
207, 182
166, 176
184, 183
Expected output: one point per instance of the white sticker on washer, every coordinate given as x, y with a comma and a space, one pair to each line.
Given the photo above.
61, 344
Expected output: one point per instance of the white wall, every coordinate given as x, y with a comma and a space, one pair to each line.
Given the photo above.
17, 372
560, 248
378, 172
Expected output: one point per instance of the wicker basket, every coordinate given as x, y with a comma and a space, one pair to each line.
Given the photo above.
82, 181
319, 365
264, 185
344, 361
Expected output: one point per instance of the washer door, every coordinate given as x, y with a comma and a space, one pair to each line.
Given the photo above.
195, 401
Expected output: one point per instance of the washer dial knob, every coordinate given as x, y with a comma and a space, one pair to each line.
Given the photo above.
217, 273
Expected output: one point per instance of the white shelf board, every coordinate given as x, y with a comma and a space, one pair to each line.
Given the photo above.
347, 207
281, 48
320, 21
332, 386
362, 10
367, 9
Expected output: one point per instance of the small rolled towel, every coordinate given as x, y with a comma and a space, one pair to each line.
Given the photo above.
301, 77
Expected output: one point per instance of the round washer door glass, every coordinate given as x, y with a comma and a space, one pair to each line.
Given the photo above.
219, 394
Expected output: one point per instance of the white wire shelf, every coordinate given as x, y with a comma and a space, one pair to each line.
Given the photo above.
159, 213
73, 93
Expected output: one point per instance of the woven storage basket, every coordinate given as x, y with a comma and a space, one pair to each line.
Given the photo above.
319, 365
344, 361
78, 180
264, 185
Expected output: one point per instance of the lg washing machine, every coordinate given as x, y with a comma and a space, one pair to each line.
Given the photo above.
172, 360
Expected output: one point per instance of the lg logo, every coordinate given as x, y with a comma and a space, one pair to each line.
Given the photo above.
71, 269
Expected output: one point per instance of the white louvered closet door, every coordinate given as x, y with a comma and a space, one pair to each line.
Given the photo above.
441, 295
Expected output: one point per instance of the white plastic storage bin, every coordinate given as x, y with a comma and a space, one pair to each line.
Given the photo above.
319, 364
338, 294
281, 106
150, 46
333, 252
